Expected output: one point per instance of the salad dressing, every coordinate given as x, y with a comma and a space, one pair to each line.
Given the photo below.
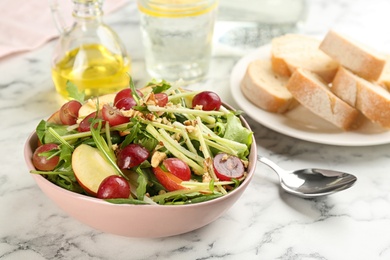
89, 54
93, 69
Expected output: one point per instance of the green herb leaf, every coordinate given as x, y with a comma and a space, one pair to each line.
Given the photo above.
126, 201
74, 93
236, 132
142, 183
159, 86
134, 131
101, 144
134, 92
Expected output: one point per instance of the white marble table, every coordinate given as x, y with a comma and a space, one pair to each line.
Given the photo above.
265, 223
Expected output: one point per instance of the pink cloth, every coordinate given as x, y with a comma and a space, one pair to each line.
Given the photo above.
26, 25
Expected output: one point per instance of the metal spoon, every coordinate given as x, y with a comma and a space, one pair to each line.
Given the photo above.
310, 183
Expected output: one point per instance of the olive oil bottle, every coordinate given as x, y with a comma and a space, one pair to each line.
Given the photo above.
93, 69
89, 54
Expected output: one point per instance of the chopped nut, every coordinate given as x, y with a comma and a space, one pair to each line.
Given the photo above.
150, 117
157, 158
165, 121
177, 136
114, 147
190, 129
206, 177
245, 163
150, 99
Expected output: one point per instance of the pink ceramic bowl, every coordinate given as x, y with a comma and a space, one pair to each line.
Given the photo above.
145, 221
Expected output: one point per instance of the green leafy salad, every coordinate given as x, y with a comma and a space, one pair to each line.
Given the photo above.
158, 144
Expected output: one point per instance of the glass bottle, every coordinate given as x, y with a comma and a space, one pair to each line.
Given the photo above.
89, 54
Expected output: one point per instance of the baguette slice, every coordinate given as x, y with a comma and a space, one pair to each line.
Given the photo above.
354, 56
314, 94
266, 89
371, 99
384, 79
292, 51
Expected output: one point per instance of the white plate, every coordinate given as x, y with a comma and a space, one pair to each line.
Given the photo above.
300, 122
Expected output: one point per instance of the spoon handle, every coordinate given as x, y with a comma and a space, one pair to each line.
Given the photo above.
271, 164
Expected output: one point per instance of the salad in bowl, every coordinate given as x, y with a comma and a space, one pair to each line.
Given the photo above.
146, 149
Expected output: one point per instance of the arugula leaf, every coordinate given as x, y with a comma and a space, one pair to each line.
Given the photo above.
44, 134
159, 86
101, 144
142, 181
203, 198
134, 131
126, 201
41, 130
66, 156
73, 92
148, 141
134, 92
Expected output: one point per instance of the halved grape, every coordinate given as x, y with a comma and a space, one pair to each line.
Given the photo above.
114, 187
85, 124
208, 100
125, 93
228, 167
132, 155
126, 103
41, 162
69, 112
178, 168
161, 99
113, 116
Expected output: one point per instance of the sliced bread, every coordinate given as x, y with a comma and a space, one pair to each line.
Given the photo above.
371, 99
266, 89
384, 79
292, 51
354, 56
314, 94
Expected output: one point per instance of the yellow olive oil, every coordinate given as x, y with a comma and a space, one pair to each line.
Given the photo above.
93, 69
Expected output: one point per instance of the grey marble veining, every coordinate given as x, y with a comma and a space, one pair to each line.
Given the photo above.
265, 223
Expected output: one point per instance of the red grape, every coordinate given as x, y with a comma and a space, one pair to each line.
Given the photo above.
124, 94
208, 100
114, 187
132, 155
126, 103
178, 168
69, 112
113, 115
228, 167
41, 162
161, 99
85, 124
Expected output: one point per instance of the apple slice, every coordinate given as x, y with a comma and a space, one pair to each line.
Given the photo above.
168, 180
91, 105
55, 118
90, 168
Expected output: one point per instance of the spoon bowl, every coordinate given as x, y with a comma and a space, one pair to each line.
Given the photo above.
312, 182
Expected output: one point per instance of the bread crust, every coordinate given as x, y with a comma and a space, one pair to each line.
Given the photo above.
384, 79
371, 99
266, 89
292, 51
354, 56
312, 92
